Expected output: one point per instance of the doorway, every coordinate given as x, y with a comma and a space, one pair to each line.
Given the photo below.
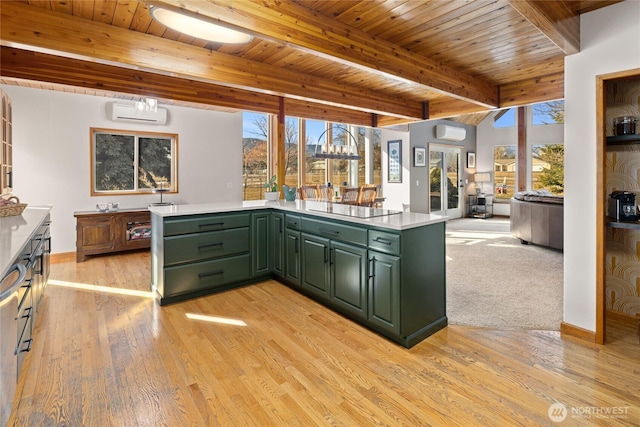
616, 290
445, 191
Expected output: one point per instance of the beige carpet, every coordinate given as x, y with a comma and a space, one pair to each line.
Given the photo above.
495, 281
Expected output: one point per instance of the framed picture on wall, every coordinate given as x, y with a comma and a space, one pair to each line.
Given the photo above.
394, 151
419, 157
471, 160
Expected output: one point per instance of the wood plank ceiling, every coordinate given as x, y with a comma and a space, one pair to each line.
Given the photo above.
368, 62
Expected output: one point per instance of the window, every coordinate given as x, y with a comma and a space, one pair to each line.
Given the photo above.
303, 139
315, 169
292, 137
377, 157
255, 159
547, 169
504, 168
505, 118
129, 162
340, 137
548, 113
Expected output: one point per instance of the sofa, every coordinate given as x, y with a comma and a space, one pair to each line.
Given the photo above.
538, 217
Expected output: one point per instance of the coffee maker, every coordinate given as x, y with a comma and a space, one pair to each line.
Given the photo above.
622, 206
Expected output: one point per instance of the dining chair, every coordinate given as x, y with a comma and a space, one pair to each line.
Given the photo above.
368, 195
309, 192
325, 193
350, 196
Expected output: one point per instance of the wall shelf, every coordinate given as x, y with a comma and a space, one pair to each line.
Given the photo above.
623, 140
631, 225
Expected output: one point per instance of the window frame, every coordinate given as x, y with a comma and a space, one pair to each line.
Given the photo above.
173, 137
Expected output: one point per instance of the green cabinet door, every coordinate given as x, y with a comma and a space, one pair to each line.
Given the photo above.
315, 265
384, 291
349, 278
292, 257
278, 243
260, 245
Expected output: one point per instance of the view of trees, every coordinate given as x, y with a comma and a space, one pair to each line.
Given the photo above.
552, 176
547, 168
115, 162
549, 112
547, 165
435, 178
154, 162
550, 156
256, 155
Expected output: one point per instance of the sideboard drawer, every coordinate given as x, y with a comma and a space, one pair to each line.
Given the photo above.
199, 224
214, 244
206, 275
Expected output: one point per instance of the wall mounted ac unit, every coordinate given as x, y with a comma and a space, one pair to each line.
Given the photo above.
450, 133
120, 111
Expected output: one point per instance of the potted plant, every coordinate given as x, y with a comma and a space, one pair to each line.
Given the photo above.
272, 193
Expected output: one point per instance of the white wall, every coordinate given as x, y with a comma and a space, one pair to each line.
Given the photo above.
51, 155
395, 193
488, 137
609, 43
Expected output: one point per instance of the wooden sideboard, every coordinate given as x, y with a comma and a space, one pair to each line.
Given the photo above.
107, 232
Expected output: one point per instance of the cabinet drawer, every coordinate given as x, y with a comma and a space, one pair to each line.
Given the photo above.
292, 222
199, 224
345, 233
384, 242
214, 244
206, 275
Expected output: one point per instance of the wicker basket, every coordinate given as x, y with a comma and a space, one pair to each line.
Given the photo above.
13, 209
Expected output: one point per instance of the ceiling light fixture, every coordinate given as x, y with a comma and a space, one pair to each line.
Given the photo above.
344, 151
198, 28
148, 104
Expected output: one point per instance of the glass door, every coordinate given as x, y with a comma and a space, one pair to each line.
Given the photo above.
445, 192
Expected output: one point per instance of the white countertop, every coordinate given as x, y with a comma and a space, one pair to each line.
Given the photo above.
337, 211
15, 233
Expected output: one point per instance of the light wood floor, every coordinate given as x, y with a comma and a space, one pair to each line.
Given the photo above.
111, 359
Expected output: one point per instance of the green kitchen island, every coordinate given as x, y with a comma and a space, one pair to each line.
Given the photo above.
384, 269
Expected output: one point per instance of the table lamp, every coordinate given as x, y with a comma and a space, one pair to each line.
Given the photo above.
481, 178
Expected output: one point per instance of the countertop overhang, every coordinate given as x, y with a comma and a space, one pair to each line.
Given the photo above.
393, 221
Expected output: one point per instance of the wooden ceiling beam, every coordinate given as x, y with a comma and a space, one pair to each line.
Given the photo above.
41, 67
37, 29
554, 19
298, 27
444, 108
532, 91
524, 92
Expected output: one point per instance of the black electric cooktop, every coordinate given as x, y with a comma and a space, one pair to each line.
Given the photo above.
350, 210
